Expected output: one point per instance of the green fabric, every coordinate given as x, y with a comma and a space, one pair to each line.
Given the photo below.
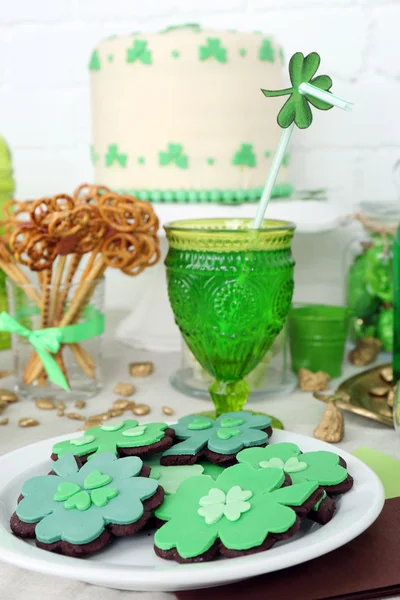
386, 467
48, 341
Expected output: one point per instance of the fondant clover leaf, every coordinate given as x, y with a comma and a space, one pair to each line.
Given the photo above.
240, 509
171, 477
174, 155
75, 505
230, 433
321, 466
267, 52
245, 156
139, 52
113, 156
111, 437
213, 49
297, 106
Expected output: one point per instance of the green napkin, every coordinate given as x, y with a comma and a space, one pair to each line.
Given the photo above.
386, 467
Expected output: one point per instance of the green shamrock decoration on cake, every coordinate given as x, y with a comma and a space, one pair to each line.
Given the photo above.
94, 64
94, 155
213, 49
113, 156
174, 155
240, 508
267, 52
111, 437
75, 505
139, 52
245, 156
322, 467
230, 433
297, 106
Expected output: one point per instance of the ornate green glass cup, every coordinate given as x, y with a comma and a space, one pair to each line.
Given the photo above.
230, 288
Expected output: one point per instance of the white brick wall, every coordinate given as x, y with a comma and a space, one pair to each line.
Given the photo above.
44, 95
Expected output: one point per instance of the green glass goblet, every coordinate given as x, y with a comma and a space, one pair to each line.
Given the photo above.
230, 288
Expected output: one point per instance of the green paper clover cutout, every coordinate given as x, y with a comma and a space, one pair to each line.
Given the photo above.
174, 155
245, 156
63, 508
297, 107
321, 466
266, 52
213, 49
111, 437
113, 156
139, 52
198, 432
258, 506
94, 64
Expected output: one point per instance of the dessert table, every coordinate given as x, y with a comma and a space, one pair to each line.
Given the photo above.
299, 411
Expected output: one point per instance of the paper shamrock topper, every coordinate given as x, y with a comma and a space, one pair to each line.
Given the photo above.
297, 107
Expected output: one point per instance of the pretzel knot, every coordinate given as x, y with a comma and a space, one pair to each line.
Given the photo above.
120, 249
70, 222
123, 217
148, 256
148, 219
40, 252
89, 194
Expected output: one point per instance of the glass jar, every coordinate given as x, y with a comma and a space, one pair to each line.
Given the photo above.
5, 339
369, 274
80, 362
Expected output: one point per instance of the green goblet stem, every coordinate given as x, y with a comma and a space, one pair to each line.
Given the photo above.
229, 396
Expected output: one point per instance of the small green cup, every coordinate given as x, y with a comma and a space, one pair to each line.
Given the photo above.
317, 337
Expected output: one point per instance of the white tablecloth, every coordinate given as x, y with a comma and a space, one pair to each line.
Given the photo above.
299, 412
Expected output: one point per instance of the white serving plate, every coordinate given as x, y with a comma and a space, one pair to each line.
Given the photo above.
130, 564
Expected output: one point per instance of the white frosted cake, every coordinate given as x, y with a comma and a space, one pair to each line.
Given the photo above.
178, 116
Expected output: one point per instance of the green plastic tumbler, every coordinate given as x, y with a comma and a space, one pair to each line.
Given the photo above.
317, 337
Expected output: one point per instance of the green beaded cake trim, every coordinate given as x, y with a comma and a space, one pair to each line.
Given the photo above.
230, 197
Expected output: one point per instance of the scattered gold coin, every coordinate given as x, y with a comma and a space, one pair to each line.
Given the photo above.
45, 404
387, 374
115, 412
141, 369
313, 382
61, 405
75, 416
3, 405
167, 410
379, 390
122, 404
385, 411
80, 404
331, 427
4, 373
60, 413
28, 422
124, 389
8, 396
141, 409
100, 417
89, 424
4, 421
390, 398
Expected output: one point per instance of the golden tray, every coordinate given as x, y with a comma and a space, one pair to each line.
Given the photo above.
353, 395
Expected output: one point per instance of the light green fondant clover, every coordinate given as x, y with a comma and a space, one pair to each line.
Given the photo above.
297, 107
240, 509
174, 155
213, 49
198, 432
109, 438
170, 478
266, 51
321, 466
75, 505
113, 156
94, 64
245, 156
139, 52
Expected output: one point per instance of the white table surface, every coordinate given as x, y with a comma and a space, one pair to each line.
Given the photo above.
299, 411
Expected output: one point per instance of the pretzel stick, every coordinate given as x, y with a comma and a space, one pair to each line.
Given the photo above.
62, 300
14, 273
56, 288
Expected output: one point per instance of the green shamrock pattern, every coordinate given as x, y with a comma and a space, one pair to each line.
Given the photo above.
113, 156
245, 157
173, 156
240, 508
111, 437
139, 53
267, 52
95, 156
94, 64
213, 49
297, 107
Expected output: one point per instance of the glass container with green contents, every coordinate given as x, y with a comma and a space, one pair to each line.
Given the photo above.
230, 289
6, 193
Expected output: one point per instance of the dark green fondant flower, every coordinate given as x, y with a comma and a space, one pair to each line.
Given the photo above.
297, 107
113, 156
174, 155
139, 52
245, 156
213, 49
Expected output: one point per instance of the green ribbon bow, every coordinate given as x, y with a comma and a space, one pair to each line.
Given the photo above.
213, 49
139, 52
175, 155
296, 108
245, 156
48, 341
114, 156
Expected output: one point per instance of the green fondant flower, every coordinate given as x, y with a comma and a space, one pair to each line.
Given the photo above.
266, 51
113, 156
200, 432
245, 156
297, 107
213, 49
322, 467
76, 505
94, 64
109, 438
240, 509
174, 155
139, 52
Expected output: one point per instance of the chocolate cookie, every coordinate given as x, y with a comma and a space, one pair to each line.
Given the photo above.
126, 438
219, 441
78, 511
